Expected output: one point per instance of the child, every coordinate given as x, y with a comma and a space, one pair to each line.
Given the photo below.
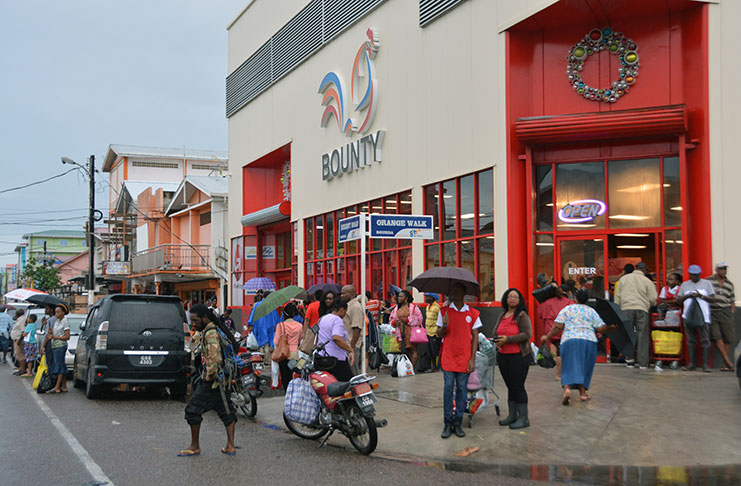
31, 348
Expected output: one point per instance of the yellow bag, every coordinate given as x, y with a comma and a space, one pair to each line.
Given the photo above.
40, 372
667, 342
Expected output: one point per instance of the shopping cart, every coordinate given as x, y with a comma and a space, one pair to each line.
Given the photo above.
481, 382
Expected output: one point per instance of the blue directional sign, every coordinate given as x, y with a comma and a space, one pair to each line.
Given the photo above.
401, 226
350, 228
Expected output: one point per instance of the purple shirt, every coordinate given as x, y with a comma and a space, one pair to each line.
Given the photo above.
331, 325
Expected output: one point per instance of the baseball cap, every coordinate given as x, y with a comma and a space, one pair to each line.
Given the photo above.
430, 294
721, 265
694, 270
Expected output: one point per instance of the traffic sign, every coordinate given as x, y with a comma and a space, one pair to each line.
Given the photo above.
401, 226
349, 229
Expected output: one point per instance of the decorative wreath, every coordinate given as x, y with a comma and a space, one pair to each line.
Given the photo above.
614, 42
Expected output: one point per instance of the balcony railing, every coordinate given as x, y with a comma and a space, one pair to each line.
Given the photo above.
183, 258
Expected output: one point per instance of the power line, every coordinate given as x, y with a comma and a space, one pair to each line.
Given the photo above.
37, 182
21, 211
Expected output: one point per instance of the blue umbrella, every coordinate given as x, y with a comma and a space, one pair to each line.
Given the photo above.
258, 283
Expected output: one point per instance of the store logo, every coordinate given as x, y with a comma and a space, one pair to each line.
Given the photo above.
363, 81
582, 211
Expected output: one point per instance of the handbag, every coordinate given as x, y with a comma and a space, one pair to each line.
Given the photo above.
695, 318
324, 362
418, 335
308, 343
544, 357
377, 358
282, 352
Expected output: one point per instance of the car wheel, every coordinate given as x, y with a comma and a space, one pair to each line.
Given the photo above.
75, 373
91, 391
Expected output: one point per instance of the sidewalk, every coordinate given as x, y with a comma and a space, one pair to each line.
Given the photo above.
635, 418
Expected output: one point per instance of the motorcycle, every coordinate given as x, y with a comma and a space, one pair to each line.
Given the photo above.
346, 406
245, 388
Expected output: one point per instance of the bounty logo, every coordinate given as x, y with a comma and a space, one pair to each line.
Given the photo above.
363, 91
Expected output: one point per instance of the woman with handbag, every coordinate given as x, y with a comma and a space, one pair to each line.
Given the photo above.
287, 335
407, 319
337, 355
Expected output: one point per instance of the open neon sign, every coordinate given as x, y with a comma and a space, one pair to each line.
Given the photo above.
582, 211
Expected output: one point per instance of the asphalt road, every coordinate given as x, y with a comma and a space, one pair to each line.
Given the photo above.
133, 438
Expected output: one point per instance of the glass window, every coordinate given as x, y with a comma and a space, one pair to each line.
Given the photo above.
449, 210
635, 196
673, 247
329, 230
405, 267
544, 197
672, 194
432, 208
449, 254
66, 242
432, 256
577, 182
405, 202
468, 203
486, 268
319, 237
389, 207
310, 239
486, 201
468, 255
544, 255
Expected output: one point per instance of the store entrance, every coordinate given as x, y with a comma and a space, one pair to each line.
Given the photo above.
596, 261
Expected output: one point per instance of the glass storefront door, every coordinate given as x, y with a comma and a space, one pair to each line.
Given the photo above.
581, 259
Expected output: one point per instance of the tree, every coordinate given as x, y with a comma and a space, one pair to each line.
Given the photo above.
45, 277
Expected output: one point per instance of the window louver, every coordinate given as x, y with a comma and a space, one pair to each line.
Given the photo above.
315, 25
429, 10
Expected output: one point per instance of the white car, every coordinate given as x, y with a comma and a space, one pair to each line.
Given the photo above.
74, 333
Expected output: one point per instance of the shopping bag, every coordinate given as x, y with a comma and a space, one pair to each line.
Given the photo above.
488, 349
377, 358
251, 342
301, 403
404, 366
695, 317
672, 318
389, 344
418, 335
40, 371
46, 382
274, 375
544, 358
473, 381
386, 329
667, 342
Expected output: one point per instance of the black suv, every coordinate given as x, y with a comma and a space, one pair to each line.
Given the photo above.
136, 340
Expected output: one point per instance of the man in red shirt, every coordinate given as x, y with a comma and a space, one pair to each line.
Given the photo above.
312, 311
544, 318
458, 326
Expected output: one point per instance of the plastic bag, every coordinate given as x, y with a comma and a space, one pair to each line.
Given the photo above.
473, 381
488, 349
40, 372
482, 369
251, 342
274, 375
404, 366
544, 358
386, 329
301, 403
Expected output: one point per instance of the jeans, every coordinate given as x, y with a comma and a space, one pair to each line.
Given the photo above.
458, 380
639, 319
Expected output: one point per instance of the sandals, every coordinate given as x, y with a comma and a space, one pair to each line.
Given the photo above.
53, 392
565, 400
188, 453
585, 398
224, 451
727, 368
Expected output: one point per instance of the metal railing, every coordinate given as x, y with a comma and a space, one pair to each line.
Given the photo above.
173, 257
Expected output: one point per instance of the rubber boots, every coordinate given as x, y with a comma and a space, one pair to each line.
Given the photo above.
512, 417
522, 420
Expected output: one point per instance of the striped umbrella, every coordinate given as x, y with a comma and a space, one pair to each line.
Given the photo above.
258, 283
22, 294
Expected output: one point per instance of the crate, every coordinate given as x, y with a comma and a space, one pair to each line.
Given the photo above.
667, 342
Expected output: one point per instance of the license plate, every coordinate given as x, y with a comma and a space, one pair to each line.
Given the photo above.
145, 360
258, 366
366, 401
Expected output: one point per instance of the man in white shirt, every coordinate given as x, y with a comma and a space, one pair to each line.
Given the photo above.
703, 292
16, 335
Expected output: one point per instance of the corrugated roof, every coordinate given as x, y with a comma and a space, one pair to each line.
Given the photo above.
115, 151
59, 233
134, 188
209, 185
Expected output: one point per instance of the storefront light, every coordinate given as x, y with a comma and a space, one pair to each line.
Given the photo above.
542, 244
676, 208
639, 188
632, 247
629, 217
633, 235
550, 205
576, 225
468, 216
667, 185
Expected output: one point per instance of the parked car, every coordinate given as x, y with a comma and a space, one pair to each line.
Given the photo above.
135, 340
75, 322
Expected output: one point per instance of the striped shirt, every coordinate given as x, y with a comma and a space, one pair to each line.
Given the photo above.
725, 294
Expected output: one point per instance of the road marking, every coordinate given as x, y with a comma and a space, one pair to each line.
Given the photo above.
87, 461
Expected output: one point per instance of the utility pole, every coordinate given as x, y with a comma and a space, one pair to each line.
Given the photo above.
91, 233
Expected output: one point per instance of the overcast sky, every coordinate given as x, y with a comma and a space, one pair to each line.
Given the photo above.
78, 75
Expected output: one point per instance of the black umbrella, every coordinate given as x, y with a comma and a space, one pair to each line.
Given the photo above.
541, 295
325, 287
624, 337
440, 280
45, 299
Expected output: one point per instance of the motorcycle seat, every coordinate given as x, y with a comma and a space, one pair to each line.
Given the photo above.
338, 388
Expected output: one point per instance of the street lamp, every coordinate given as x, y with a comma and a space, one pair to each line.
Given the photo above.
90, 170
